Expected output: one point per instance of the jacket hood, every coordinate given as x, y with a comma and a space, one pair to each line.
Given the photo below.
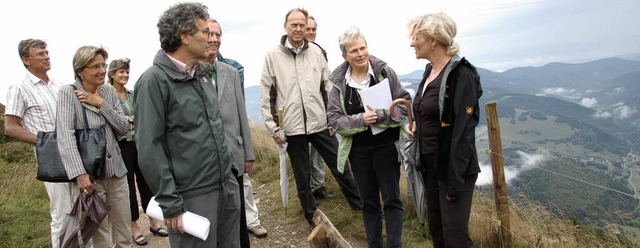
165, 64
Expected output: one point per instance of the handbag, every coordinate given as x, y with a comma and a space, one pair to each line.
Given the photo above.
50, 167
92, 146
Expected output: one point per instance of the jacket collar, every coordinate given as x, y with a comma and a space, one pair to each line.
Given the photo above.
165, 64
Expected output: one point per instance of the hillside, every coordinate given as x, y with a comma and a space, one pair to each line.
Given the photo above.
24, 211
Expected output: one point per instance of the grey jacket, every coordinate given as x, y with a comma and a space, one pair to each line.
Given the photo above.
348, 125
234, 116
182, 150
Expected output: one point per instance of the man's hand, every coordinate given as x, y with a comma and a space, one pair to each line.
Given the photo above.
279, 140
332, 132
175, 223
370, 117
248, 166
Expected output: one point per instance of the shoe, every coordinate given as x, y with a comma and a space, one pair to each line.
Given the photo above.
159, 231
140, 240
322, 193
258, 231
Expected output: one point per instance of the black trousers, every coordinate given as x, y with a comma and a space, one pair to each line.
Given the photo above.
448, 220
130, 157
327, 146
377, 171
244, 233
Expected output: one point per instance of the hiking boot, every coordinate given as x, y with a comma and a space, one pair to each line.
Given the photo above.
322, 193
258, 231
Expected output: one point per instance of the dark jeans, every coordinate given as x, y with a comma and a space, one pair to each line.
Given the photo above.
448, 220
244, 233
327, 146
377, 171
130, 157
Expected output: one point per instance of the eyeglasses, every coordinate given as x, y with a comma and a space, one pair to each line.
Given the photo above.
97, 67
209, 33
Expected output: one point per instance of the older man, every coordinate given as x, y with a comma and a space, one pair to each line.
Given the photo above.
236, 125
182, 149
31, 107
295, 79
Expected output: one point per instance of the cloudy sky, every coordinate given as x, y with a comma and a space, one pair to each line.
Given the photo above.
493, 34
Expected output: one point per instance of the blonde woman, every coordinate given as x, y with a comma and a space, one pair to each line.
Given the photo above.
446, 113
103, 110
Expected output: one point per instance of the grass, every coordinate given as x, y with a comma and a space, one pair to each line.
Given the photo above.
24, 204
24, 209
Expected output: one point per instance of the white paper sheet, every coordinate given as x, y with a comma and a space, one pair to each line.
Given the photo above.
194, 224
379, 97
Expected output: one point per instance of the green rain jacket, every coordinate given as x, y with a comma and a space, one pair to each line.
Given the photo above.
182, 151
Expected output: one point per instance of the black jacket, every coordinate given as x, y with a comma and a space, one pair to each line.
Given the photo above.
459, 115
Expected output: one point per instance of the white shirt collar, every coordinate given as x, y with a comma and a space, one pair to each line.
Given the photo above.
295, 50
354, 84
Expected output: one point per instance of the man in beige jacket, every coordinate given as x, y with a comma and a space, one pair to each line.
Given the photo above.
295, 79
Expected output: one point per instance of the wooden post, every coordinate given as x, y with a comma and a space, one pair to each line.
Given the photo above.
325, 234
497, 166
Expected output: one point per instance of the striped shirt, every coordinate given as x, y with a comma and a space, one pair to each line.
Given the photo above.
34, 102
109, 116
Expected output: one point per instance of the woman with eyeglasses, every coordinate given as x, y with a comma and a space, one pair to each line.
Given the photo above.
102, 107
118, 76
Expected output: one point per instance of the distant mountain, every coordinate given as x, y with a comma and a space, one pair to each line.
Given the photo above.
581, 76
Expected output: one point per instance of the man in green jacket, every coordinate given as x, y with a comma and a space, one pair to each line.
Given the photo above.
182, 150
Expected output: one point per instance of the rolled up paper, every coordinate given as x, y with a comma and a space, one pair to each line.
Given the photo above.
193, 224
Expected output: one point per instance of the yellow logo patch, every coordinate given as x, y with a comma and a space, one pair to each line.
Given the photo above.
469, 110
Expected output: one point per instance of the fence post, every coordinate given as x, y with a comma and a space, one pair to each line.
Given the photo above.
497, 166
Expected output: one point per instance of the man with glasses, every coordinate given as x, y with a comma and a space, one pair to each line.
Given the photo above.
31, 107
182, 149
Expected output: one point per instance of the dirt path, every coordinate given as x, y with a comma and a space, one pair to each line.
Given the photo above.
284, 231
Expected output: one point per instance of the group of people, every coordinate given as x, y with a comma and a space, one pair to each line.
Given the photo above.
301, 96
190, 146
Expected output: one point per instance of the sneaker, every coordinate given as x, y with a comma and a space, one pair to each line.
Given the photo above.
258, 231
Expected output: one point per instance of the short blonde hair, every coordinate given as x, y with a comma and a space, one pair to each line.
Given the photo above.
83, 56
438, 26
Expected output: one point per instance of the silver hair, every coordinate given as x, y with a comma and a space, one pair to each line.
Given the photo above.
351, 34
25, 45
179, 19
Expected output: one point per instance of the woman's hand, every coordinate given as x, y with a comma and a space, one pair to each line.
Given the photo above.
370, 117
85, 184
91, 99
410, 133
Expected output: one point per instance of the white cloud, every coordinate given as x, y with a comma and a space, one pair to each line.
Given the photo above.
623, 112
523, 163
589, 102
602, 114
